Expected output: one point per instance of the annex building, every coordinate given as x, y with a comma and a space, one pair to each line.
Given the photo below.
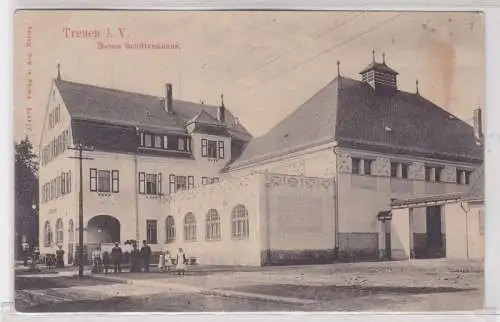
182, 174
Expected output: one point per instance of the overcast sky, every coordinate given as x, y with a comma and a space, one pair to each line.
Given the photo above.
265, 63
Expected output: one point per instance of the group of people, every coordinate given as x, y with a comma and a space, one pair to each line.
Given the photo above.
33, 258
139, 259
165, 263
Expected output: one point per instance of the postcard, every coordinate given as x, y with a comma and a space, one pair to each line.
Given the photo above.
198, 161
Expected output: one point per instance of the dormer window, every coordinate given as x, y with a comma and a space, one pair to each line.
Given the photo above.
158, 141
147, 140
181, 144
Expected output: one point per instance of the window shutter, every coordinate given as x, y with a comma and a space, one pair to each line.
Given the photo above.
115, 181
63, 183
172, 183
204, 144
165, 142
142, 183
93, 179
221, 149
159, 184
190, 182
68, 182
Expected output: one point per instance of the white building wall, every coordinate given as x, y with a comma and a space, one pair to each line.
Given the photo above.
464, 237
223, 197
299, 217
64, 206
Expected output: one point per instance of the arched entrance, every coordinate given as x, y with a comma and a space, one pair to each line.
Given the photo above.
103, 229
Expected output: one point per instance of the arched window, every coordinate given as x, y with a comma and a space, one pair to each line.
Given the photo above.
71, 230
213, 225
169, 229
189, 227
239, 222
59, 231
47, 237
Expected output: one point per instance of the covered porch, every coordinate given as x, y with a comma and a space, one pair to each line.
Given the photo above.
419, 227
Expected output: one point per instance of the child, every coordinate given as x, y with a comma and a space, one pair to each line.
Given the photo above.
161, 262
168, 260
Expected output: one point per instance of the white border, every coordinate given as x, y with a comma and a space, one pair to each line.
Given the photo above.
492, 145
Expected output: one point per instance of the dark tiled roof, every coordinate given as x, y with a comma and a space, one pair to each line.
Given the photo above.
93, 103
353, 114
381, 67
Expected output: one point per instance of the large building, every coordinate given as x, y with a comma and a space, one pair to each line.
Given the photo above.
180, 174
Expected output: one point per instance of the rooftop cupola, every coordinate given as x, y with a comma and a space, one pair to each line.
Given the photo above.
380, 76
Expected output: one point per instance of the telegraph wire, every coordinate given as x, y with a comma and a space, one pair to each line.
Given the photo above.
326, 51
317, 35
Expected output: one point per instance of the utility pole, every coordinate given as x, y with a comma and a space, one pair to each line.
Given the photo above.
80, 148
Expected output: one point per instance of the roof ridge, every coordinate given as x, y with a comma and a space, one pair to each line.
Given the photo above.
129, 92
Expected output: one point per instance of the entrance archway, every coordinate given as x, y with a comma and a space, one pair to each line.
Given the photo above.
103, 229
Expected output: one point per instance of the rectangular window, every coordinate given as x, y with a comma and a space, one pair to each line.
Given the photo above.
356, 165
172, 183
437, 174
212, 149
147, 140
115, 181
103, 181
93, 179
181, 144
204, 180
165, 142
204, 151
68, 182
63, 183
428, 171
142, 138
190, 182
160, 191
152, 231
394, 169
142, 183
367, 167
221, 149
151, 184
467, 177
404, 171
158, 141
181, 183
188, 140
215, 180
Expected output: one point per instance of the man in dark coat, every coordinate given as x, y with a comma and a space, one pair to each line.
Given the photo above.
135, 259
145, 255
116, 258
59, 257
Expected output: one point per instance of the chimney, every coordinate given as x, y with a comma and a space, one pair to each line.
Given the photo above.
168, 98
221, 110
478, 123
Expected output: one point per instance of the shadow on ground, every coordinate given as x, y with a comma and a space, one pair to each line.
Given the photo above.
334, 292
158, 303
41, 283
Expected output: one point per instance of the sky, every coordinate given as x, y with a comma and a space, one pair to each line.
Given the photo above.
265, 63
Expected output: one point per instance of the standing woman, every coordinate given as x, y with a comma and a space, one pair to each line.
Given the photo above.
181, 262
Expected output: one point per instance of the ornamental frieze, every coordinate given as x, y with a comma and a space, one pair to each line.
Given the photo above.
344, 162
417, 171
383, 167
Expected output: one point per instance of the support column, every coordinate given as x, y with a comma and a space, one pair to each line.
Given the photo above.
400, 234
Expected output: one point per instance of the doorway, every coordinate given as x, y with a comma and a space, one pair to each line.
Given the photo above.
434, 235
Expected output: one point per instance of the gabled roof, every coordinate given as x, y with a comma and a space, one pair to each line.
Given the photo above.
94, 103
204, 118
381, 67
353, 114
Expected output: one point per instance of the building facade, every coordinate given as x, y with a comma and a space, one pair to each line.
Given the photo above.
179, 174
